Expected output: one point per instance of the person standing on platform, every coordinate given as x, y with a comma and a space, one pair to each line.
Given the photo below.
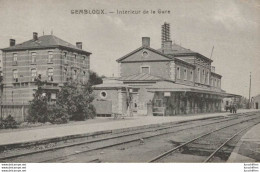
231, 108
235, 109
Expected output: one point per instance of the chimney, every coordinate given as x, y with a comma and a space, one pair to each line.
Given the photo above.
167, 47
165, 33
79, 45
35, 36
12, 42
146, 41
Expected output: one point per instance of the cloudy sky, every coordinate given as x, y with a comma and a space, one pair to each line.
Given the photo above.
231, 26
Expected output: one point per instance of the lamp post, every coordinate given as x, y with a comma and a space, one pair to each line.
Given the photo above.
249, 105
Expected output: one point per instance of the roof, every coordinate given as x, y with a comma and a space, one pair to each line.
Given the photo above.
110, 85
213, 73
168, 86
178, 50
155, 51
140, 48
141, 77
45, 41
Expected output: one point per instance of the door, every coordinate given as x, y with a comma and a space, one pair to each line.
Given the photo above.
256, 105
135, 102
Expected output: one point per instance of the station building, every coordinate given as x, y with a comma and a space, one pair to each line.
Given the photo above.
48, 57
255, 102
168, 81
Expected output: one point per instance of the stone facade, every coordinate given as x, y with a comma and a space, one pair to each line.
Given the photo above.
179, 69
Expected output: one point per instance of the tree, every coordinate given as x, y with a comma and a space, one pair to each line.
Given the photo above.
75, 98
38, 109
94, 78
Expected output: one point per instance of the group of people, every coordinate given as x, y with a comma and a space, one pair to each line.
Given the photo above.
233, 108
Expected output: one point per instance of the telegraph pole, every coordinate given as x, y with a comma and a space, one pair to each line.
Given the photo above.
212, 52
249, 91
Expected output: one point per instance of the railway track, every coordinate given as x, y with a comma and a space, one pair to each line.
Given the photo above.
185, 145
138, 134
113, 136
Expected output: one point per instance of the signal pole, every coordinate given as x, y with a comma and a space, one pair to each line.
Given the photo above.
249, 92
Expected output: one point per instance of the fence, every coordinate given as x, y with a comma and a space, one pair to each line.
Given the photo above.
18, 111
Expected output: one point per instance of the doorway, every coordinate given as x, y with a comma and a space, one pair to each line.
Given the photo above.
256, 105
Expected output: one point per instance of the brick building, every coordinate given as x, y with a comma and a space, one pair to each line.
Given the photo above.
173, 79
49, 57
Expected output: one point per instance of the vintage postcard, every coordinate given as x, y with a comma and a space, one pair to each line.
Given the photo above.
115, 81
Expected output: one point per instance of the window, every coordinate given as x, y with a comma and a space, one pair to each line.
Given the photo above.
203, 76
15, 75
145, 54
84, 76
185, 74
87, 62
178, 73
50, 57
145, 69
207, 78
191, 75
218, 81
75, 58
199, 75
215, 83
33, 57
50, 74
74, 74
15, 57
103, 94
53, 96
64, 54
34, 74
84, 60
65, 71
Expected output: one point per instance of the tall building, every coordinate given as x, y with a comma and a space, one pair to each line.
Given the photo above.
167, 81
48, 57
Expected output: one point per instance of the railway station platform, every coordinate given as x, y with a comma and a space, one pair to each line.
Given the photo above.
248, 148
25, 135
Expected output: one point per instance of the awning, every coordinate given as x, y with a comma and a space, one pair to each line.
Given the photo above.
173, 87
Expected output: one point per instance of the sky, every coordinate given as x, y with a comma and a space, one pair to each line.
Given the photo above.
231, 26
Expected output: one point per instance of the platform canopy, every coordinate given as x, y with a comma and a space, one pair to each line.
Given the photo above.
173, 87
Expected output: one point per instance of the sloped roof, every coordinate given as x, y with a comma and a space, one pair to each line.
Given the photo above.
140, 48
141, 77
213, 73
45, 41
177, 49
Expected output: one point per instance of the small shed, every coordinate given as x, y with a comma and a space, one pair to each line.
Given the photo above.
256, 102
111, 97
